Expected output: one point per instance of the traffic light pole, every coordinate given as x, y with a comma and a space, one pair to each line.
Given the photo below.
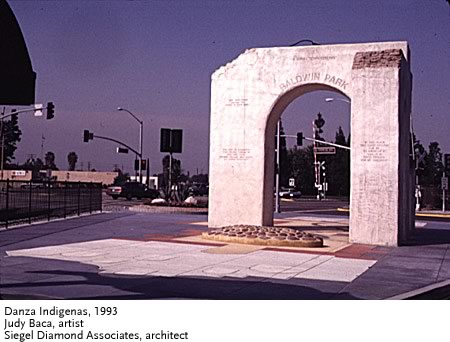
2, 140
170, 176
120, 143
443, 191
141, 137
316, 163
319, 141
2, 119
277, 175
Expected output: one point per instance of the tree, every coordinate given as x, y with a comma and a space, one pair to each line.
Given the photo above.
200, 178
50, 161
176, 170
301, 168
433, 165
284, 164
72, 159
121, 177
338, 167
35, 166
10, 135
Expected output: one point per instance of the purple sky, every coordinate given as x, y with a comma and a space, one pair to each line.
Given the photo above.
155, 58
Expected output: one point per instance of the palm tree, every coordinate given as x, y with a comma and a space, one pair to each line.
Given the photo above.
72, 159
50, 161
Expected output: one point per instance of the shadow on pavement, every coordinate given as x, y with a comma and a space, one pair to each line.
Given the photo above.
424, 237
148, 287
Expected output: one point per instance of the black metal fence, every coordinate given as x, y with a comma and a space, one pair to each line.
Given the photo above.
24, 202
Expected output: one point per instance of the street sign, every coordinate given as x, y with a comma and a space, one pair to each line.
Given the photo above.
325, 150
38, 109
444, 183
291, 181
121, 150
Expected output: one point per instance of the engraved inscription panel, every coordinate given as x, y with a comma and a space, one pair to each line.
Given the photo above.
374, 151
235, 154
243, 102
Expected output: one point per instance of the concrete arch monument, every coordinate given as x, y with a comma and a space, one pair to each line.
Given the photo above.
249, 94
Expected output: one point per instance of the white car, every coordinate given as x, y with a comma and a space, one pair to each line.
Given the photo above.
290, 193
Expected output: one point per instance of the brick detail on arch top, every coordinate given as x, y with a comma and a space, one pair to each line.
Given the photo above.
390, 58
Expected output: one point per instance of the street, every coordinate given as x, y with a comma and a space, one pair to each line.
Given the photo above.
312, 205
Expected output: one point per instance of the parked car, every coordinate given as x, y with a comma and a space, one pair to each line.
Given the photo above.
130, 190
290, 193
199, 190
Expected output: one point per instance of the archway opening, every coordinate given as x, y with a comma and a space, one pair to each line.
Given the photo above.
314, 174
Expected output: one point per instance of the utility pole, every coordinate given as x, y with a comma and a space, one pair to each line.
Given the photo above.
3, 141
170, 174
277, 175
42, 147
316, 163
444, 185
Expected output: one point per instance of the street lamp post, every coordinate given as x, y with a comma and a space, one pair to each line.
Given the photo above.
331, 99
141, 137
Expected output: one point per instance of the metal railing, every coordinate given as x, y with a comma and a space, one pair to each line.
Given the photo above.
24, 202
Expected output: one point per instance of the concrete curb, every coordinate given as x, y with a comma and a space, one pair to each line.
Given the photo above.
168, 210
33, 223
427, 292
433, 215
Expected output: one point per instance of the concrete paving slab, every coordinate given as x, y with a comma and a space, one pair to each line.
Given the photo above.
234, 249
218, 271
337, 269
156, 269
154, 257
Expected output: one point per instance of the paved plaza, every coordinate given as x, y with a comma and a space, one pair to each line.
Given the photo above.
135, 255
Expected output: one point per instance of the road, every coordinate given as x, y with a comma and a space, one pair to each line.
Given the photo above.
121, 203
312, 205
303, 205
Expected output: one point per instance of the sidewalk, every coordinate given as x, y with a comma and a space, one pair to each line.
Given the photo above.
126, 255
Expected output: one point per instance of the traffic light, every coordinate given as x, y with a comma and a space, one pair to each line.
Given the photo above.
50, 111
87, 135
121, 150
447, 164
299, 139
143, 165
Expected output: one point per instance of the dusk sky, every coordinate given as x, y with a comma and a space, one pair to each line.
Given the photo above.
155, 58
